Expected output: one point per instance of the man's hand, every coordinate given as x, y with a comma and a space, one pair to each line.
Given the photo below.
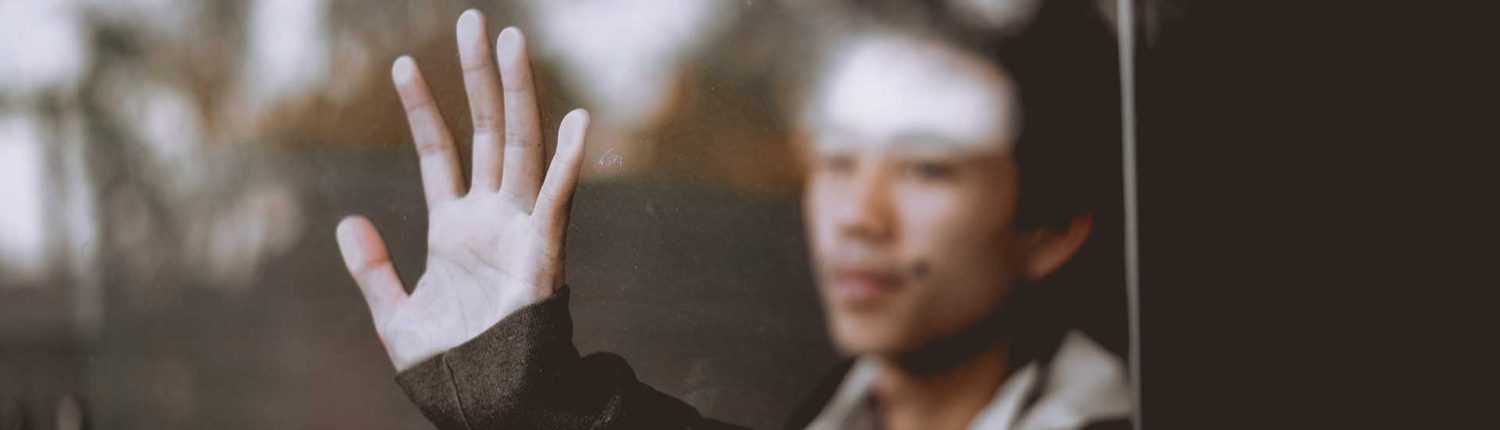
490, 250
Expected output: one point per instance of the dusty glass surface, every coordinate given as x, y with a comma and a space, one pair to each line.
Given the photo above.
172, 172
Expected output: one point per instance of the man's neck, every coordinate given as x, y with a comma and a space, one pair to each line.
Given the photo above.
947, 398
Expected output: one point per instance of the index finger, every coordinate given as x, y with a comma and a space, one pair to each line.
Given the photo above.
441, 178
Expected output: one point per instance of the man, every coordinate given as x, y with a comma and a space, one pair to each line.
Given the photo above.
938, 200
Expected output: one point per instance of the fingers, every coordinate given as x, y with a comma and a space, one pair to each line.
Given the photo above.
562, 177
441, 175
482, 82
366, 258
522, 175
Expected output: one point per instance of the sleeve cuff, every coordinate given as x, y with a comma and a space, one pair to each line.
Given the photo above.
492, 380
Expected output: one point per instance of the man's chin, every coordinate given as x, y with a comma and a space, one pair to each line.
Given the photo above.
854, 339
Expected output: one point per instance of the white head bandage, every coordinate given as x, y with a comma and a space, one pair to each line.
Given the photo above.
892, 90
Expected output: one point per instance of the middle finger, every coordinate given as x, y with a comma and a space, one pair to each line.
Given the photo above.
481, 81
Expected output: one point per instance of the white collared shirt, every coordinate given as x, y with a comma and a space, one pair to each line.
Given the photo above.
1083, 383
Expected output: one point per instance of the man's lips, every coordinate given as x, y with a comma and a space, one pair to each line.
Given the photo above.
864, 286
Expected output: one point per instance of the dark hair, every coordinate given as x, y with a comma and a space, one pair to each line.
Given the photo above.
1066, 64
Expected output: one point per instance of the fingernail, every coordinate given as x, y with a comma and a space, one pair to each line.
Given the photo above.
402, 71
470, 25
510, 44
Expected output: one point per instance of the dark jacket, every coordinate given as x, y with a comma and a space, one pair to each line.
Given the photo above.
524, 373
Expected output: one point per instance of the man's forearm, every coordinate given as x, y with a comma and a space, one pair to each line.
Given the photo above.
524, 372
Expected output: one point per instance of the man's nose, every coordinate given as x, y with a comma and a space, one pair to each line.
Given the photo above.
867, 211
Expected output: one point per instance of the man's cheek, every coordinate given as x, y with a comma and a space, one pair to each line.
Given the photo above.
920, 269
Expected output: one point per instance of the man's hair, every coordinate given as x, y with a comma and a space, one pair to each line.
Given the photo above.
1064, 63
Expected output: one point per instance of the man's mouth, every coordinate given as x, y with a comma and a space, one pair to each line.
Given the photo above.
863, 287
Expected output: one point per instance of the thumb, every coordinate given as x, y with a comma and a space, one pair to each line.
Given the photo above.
368, 262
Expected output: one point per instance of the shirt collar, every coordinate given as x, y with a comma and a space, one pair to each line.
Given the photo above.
1083, 383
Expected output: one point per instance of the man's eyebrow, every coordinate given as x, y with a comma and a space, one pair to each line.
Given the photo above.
925, 142
835, 132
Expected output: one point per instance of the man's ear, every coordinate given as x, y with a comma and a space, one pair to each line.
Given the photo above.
1049, 249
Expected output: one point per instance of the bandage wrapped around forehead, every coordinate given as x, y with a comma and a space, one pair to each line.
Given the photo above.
888, 90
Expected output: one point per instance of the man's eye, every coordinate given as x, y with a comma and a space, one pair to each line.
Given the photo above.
931, 170
837, 163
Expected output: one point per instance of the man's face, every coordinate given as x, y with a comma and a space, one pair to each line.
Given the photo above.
912, 193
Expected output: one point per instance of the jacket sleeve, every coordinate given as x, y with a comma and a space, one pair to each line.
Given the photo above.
524, 373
